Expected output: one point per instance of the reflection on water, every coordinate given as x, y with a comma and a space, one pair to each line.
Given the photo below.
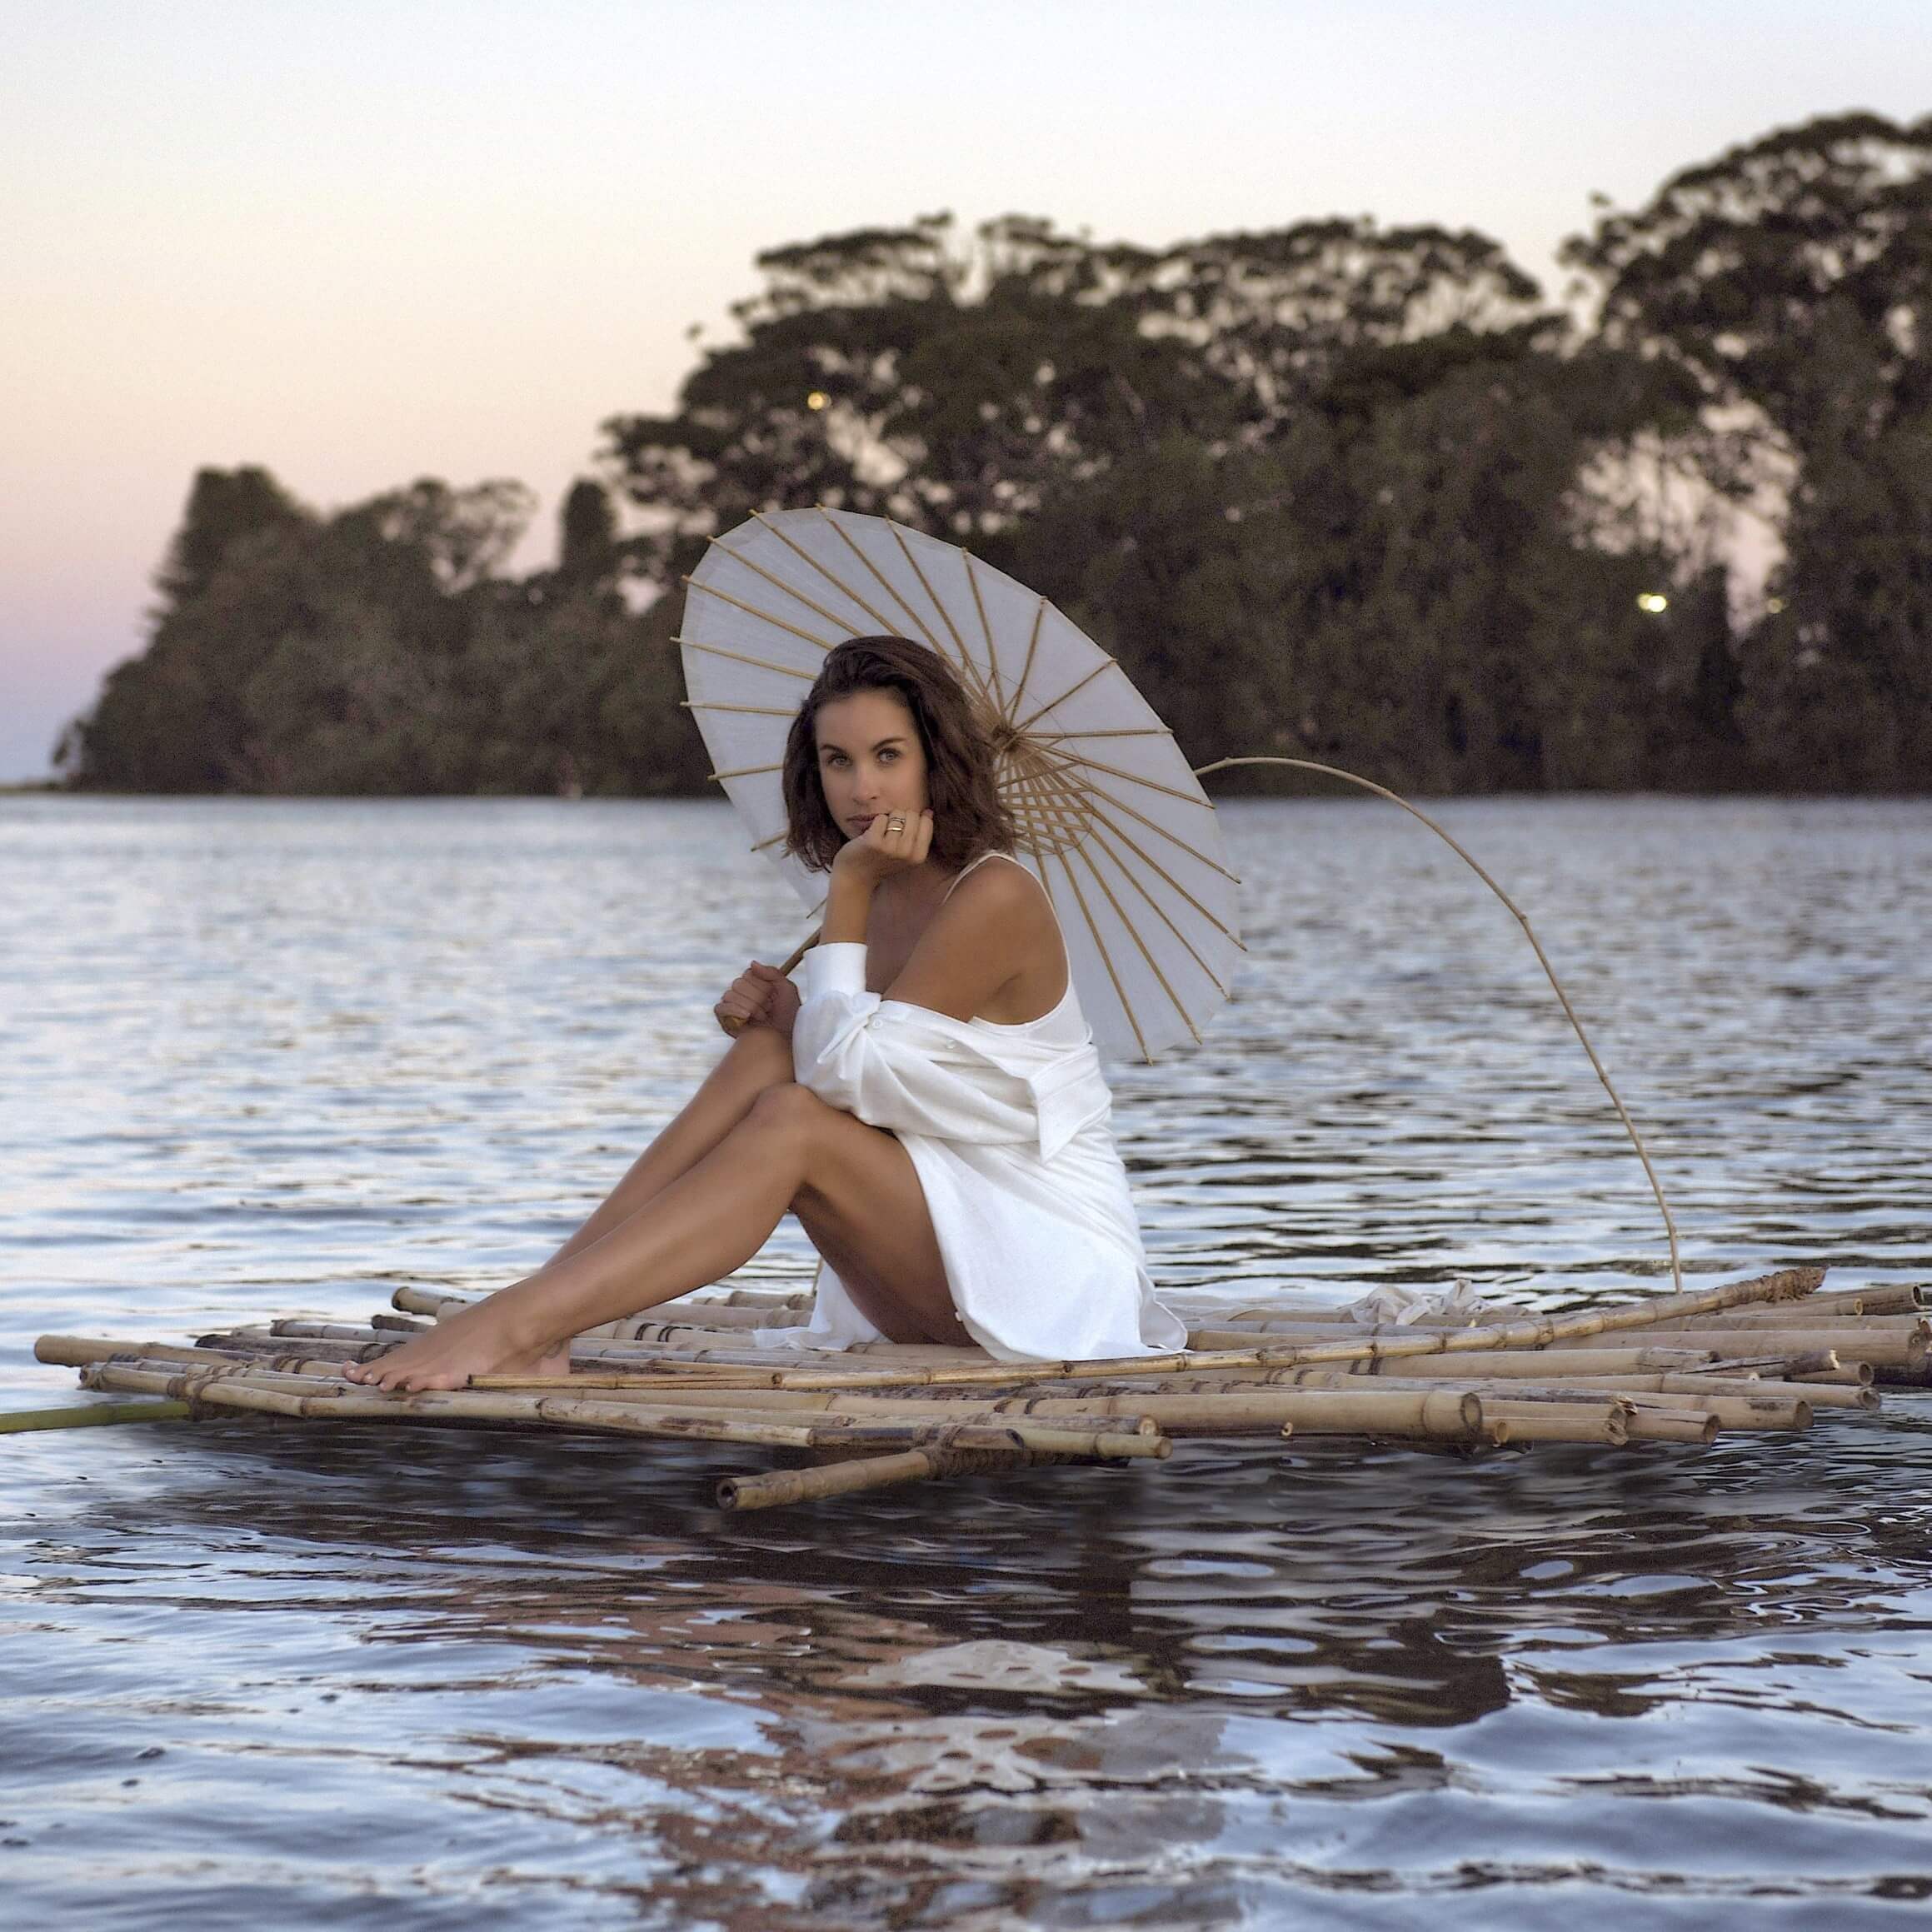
268, 1056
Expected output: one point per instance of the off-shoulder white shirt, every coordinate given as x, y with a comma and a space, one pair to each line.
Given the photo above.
1008, 1129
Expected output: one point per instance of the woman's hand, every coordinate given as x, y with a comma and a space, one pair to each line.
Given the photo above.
892, 842
760, 996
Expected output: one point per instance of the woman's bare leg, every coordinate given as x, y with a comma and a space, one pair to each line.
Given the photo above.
790, 1146
919, 1309
760, 1057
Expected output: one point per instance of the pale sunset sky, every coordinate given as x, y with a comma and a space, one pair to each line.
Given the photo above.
361, 243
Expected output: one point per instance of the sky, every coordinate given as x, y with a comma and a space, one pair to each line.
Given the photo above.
362, 242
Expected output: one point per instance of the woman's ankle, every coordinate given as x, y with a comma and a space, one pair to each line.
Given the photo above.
525, 1317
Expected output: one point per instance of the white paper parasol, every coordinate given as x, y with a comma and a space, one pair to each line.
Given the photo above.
1109, 818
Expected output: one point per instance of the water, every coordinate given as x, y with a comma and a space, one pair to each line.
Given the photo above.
262, 1056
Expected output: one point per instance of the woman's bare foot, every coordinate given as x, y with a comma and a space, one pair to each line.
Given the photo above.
479, 1340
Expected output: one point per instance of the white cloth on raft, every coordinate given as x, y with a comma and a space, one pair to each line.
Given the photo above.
1007, 1127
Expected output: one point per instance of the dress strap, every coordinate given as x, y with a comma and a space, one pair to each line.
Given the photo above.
972, 865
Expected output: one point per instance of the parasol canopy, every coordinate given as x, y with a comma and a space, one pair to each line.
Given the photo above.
1108, 815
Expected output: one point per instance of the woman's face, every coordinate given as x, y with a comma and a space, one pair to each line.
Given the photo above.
869, 759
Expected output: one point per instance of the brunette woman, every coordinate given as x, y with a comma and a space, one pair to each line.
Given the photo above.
928, 1105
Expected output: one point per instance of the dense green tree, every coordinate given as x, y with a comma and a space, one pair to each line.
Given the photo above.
588, 555
1748, 266
885, 370
1793, 277
225, 509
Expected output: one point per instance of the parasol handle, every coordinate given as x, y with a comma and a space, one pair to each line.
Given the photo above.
797, 953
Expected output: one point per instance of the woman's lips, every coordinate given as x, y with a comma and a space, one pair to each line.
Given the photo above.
859, 825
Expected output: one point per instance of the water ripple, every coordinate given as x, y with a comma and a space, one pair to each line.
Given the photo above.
264, 1055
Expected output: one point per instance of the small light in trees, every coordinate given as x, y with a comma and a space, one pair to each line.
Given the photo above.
817, 400
1653, 601
1773, 605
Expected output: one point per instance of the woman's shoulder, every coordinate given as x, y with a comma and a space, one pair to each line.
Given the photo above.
997, 883
1001, 908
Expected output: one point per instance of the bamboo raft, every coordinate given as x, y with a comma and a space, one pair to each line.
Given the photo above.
1769, 1353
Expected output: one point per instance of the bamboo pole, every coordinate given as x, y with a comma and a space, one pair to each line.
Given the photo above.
1864, 1344
1777, 1412
709, 1316
1583, 1360
677, 1335
76, 1351
1517, 1421
759, 1304
1533, 1362
1732, 1410
92, 1415
1643, 1425
1450, 1413
430, 1301
1737, 1328
1868, 1304
1900, 1375
1911, 1322
318, 1348
1807, 1365
312, 1330
872, 1472
1820, 1365
1701, 1388
1888, 1298
1666, 1332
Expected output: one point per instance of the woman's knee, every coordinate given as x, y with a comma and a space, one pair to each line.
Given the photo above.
786, 1112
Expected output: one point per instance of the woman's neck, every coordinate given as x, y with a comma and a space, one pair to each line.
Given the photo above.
916, 883
916, 892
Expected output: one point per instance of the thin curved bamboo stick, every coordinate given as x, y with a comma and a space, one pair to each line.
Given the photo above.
1522, 919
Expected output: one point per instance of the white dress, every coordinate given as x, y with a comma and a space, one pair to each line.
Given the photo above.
1008, 1126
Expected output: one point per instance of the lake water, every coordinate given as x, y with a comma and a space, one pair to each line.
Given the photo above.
262, 1056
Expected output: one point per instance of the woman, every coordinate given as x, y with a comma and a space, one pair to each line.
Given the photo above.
931, 1107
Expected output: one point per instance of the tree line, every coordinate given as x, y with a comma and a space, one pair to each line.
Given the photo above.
1343, 491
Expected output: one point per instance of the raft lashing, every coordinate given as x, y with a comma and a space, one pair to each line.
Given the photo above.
1770, 1353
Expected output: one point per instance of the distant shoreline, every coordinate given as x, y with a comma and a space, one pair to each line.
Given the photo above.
716, 796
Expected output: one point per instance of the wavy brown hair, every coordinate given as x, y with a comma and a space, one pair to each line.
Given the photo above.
968, 817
